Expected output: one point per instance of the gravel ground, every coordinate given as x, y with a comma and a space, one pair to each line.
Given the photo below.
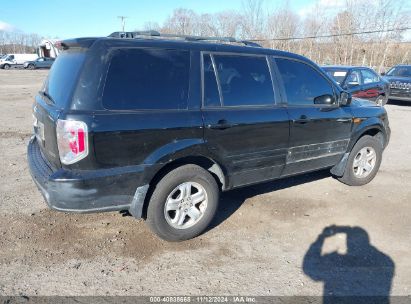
258, 245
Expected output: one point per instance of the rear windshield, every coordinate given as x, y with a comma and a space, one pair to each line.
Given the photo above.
338, 75
62, 78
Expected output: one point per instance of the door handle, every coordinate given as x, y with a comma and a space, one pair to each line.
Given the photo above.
222, 124
344, 120
302, 120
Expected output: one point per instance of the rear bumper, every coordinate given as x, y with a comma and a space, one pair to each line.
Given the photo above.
88, 191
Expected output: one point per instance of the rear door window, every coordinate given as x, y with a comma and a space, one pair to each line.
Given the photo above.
244, 80
139, 79
302, 83
338, 75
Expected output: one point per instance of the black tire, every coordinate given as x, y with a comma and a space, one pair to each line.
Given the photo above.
349, 176
6, 66
156, 217
31, 67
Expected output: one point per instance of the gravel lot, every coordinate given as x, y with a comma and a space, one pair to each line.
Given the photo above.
258, 245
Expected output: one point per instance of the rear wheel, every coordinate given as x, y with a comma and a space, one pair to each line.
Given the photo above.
363, 162
183, 203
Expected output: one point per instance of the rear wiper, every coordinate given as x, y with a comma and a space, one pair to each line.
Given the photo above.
47, 95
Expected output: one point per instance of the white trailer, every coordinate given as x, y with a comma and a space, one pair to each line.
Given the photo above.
14, 60
48, 49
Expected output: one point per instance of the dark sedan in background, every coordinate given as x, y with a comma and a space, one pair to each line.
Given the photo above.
361, 82
399, 78
39, 63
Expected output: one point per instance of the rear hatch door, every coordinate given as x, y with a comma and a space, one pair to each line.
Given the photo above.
55, 97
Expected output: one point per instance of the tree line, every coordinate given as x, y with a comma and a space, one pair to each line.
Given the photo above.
352, 32
343, 26
18, 42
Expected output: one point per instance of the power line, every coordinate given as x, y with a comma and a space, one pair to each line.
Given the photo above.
330, 35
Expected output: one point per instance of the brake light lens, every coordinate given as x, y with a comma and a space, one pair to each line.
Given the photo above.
72, 141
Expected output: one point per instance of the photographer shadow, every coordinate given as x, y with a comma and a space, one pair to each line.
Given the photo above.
362, 275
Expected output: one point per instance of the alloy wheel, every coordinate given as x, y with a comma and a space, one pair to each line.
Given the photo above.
185, 205
364, 162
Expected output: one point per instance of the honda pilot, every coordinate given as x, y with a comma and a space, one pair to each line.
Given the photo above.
159, 125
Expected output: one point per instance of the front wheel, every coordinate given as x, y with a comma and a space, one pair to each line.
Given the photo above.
31, 67
363, 162
183, 203
6, 67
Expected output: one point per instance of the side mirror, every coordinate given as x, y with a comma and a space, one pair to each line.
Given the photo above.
382, 74
345, 98
324, 99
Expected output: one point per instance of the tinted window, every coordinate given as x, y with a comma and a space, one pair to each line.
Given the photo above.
354, 78
302, 83
244, 80
63, 77
401, 71
369, 76
338, 75
147, 79
211, 95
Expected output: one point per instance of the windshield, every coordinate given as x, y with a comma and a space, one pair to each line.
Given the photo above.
63, 76
400, 71
338, 75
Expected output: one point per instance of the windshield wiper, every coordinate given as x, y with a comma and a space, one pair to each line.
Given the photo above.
47, 95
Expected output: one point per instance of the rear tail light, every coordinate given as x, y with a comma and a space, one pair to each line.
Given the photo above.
72, 141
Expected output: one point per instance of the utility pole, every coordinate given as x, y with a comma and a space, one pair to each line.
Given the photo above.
123, 22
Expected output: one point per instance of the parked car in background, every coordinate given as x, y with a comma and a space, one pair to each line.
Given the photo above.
14, 60
159, 126
39, 63
399, 78
361, 82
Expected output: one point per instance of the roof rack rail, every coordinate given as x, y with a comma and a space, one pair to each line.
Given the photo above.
152, 33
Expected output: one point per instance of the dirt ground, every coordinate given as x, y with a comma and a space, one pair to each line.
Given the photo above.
258, 245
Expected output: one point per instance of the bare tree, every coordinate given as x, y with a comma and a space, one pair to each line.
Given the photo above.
283, 23
279, 27
182, 21
253, 19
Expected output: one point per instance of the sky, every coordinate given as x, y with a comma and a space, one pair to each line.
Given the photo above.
80, 18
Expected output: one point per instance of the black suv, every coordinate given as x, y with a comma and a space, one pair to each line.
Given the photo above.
159, 125
400, 82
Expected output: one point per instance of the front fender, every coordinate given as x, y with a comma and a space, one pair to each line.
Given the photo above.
371, 126
366, 125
